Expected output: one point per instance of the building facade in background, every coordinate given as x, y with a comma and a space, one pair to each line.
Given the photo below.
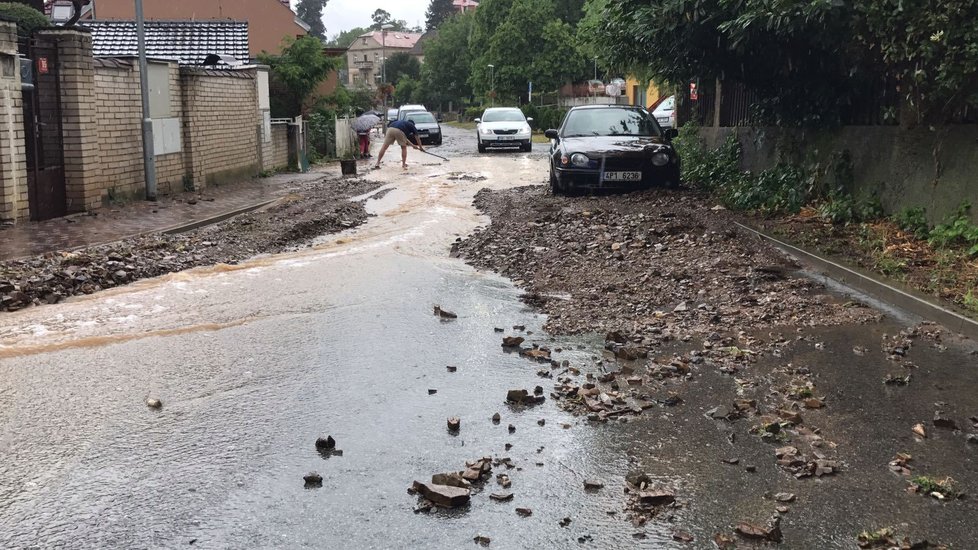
365, 56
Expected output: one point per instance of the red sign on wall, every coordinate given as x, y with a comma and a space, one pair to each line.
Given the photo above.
42, 65
693, 92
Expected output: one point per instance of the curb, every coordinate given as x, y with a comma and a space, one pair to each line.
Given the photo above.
197, 224
877, 288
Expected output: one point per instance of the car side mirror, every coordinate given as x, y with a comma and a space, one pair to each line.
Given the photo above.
477, 120
439, 120
672, 133
529, 119
551, 134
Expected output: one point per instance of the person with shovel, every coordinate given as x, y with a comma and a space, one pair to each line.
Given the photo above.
404, 132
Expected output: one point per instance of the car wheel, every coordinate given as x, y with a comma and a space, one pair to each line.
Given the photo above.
554, 184
527, 147
482, 148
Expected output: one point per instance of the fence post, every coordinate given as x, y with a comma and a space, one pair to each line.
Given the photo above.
716, 104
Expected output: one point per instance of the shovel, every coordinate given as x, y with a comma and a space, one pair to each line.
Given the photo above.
434, 155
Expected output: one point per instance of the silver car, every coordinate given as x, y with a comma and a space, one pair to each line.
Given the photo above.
504, 127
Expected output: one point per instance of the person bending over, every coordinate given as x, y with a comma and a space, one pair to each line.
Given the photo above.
404, 132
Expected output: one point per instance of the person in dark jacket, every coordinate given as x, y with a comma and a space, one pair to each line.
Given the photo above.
404, 132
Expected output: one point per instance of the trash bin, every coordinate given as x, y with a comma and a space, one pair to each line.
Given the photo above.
348, 167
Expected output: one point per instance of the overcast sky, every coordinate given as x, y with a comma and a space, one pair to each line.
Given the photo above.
342, 15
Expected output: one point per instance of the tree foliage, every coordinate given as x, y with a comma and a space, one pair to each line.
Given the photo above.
345, 39
27, 18
296, 73
438, 12
310, 12
382, 17
526, 43
400, 65
807, 61
448, 60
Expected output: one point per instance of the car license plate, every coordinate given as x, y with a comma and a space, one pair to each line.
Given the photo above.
664, 119
505, 138
622, 176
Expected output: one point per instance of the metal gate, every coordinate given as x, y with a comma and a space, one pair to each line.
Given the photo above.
47, 194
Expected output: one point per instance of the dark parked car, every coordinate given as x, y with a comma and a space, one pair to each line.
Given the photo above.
613, 147
428, 128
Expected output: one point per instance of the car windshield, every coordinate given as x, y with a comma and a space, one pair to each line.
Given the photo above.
609, 122
425, 118
405, 114
508, 115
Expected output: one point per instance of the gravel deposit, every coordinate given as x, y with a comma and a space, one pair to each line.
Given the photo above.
661, 264
310, 210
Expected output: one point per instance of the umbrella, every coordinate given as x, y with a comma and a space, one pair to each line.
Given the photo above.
364, 123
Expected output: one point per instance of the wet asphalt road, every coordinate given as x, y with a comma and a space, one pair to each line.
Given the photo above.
253, 362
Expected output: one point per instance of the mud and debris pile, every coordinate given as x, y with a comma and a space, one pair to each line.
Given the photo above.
310, 210
660, 265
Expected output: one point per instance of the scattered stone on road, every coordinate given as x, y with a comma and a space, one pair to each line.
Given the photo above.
593, 485
444, 314
446, 496
501, 497
524, 512
313, 480
154, 403
325, 443
513, 341
454, 423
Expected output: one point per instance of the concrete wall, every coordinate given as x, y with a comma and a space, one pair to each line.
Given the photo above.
13, 160
904, 168
275, 153
220, 125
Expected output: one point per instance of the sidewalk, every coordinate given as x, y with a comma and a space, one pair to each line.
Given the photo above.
120, 221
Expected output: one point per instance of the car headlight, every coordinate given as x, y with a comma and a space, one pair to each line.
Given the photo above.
579, 159
525, 129
660, 159
486, 131
434, 131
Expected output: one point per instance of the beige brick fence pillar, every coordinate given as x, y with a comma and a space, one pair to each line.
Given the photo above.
13, 162
78, 118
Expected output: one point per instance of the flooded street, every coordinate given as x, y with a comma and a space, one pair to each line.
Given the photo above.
253, 362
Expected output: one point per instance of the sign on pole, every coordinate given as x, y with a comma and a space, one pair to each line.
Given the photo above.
529, 93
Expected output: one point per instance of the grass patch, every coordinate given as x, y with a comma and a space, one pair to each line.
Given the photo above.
540, 138
938, 488
461, 125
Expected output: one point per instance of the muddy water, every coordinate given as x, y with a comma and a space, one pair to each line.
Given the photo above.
253, 362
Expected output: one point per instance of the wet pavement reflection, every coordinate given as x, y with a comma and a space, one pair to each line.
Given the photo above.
254, 362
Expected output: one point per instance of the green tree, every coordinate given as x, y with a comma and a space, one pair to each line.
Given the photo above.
569, 11
526, 43
345, 39
405, 89
27, 18
383, 17
400, 65
438, 12
448, 61
310, 12
296, 73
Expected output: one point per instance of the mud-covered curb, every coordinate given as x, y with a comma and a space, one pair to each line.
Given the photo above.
308, 211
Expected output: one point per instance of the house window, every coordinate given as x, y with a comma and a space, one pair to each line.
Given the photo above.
364, 41
365, 57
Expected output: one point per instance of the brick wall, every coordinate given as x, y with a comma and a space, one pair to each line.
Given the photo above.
220, 125
120, 135
275, 153
13, 163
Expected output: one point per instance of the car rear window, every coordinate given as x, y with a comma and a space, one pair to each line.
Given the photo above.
421, 117
609, 122
509, 115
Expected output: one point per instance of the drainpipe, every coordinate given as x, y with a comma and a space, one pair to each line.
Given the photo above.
149, 166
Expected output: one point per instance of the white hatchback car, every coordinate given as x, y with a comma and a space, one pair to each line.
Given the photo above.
665, 113
504, 127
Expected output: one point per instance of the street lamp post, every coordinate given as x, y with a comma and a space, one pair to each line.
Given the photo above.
492, 85
383, 56
595, 68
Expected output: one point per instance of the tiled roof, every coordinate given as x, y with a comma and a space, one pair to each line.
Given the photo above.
395, 39
188, 42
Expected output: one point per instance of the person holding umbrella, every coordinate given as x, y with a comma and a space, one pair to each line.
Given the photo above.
363, 124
